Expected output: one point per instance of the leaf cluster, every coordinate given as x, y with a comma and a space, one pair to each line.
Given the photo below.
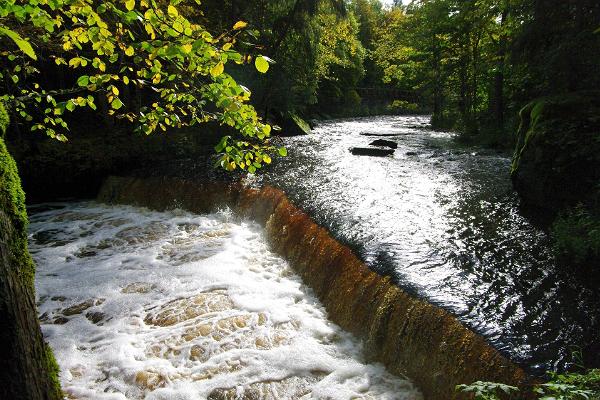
116, 47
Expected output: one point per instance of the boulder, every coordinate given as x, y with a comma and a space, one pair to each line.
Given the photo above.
384, 143
371, 151
292, 125
556, 163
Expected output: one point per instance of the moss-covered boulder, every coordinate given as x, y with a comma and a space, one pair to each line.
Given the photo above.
291, 124
557, 158
27, 368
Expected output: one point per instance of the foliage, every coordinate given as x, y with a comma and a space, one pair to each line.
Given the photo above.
486, 390
568, 386
476, 63
4, 121
53, 372
576, 235
403, 106
116, 48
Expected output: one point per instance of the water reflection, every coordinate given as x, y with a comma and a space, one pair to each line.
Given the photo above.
444, 222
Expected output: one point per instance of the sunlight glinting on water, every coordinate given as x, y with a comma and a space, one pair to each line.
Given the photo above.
444, 221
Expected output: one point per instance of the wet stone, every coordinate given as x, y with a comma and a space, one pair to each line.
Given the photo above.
289, 388
95, 317
60, 321
138, 287
150, 380
384, 143
81, 307
185, 309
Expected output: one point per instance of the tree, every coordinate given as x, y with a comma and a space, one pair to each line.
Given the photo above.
122, 47
114, 48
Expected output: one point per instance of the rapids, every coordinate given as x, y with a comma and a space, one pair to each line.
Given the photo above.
138, 304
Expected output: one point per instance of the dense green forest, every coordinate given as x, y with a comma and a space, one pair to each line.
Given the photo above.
472, 65
518, 75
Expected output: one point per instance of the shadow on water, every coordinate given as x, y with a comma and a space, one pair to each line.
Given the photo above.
443, 221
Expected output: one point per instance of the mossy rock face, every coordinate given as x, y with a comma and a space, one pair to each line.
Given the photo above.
557, 158
3, 120
27, 368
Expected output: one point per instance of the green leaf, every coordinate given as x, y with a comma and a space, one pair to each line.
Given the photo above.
222, 144
116, 103
282, 151
19, 41
261, 64
83, 80
172, 11
70, 106
217, 70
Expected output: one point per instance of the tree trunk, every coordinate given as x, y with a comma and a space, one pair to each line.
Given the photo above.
27, 368
497, 98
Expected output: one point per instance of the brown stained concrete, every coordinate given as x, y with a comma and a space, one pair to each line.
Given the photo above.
410, 336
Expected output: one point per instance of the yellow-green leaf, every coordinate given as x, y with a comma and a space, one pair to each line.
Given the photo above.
172, 11
129, 51
240, 25
23, 44
217, 70
116, 103
261, 64
130, 5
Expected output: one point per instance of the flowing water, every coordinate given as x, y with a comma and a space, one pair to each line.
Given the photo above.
146, 305
445, 223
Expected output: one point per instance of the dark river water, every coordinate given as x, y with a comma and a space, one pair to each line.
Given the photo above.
444, 222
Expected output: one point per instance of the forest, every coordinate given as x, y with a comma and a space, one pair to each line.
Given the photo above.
468, 103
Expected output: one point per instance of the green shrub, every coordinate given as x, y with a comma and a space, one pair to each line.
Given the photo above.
402, 107
569, 386
576, 236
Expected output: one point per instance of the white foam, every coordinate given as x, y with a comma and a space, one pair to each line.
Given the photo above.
269, 334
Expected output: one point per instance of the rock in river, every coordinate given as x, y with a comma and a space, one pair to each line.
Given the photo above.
371, 151
384, 143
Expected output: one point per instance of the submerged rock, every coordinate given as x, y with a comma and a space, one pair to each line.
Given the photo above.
384, 143
371, 151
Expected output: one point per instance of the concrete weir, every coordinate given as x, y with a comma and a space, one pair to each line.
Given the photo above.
408, 335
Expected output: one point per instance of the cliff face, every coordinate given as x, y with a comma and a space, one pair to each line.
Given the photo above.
27, 368
556, 168
557, 159
409, 335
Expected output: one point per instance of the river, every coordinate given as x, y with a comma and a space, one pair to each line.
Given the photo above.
444, 222
139, 304
172, 305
